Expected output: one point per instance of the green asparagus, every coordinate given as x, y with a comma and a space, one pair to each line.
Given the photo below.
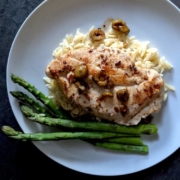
55, 135
122, 147
97, 126
102, 134
26, 99
126, 140
39, 96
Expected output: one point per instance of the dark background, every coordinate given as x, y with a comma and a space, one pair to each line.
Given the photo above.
22, 160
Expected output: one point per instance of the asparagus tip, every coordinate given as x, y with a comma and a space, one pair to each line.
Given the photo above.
26, 110
16, 93
12, 93
8, 130
12, 77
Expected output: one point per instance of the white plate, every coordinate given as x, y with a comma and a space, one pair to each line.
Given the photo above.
155, 21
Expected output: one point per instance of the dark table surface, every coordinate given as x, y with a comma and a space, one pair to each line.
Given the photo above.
22, 160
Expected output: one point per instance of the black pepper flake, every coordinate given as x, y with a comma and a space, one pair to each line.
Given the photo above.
104, 60
118, 64
124, 110
147, 120
87, 96
132, 67
89, 110
106, 63
157, 86
116, 109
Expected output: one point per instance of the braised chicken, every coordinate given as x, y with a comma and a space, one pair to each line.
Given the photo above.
105, 83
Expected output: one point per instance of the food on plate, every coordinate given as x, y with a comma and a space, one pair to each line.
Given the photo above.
102, 134
116, 79
28, 100
108, 75
120, 25
51, 107
119, 145
97, 35
50, 116
86, 125
105, 82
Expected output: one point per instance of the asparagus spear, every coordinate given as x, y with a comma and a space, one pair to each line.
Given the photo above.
55, 135
126, 140
39, 96
26, 99
122, 147
97, 126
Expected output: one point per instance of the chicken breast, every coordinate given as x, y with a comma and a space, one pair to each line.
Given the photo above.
106, 83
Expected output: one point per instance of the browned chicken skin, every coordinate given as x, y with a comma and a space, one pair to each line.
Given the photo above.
106, 83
